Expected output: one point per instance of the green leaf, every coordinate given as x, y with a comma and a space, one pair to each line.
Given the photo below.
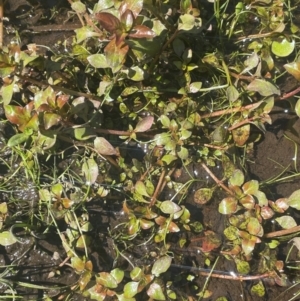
27, 58
283, 47
169, 158
6, 68
293, 69
178, 46
261, 197
183, 154
185, 134
297, 108
84, 133
203, 195
84, 279
118, 274
7, 92
161, 265
232, 93
155, 291
78, 264
254, 227
57, 189
286, 222
186, 22
228, 205
90, 171
165, 120
294, 199
195, 87
79, 7
129, 90
103, 147
141, 188
251, 62
136, 73
242, 266
98, 60
17, 139
107, 280
169, 207
84, 33
131, 289
136, 274
237, 178
51, 119
250, 187
231, 232
258, 289
7, 238
263, 87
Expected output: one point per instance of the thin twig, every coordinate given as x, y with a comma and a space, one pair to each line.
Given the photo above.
283, 232
218, 182
158, 188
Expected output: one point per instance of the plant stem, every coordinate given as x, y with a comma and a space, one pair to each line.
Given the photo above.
283, 232
58, 88
225, 275
150, 71
218, 182
158, 188
248, 107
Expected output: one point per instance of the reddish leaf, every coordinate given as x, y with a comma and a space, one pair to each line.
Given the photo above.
241, 134
141, 31
103, 147
127, 19
145, 124
16, 114
266, 212
62, 100
228, 205
115, 54
248, 245
210, 242
247, 201
109, 22
173, 227
134, 5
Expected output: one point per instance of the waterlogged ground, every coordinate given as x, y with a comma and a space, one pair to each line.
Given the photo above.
40, 258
